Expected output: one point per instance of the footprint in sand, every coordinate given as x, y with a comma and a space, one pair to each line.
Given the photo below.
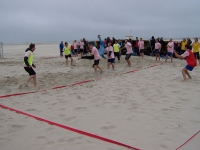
107, 127
115, 106
62, 115
15, 128
80, 108
4, 139
69, 118
50, 142
49, 129
61, 140
40, 137
31, 110
74, 139
61, 109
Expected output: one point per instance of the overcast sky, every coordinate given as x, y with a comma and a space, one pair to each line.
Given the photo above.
53, 21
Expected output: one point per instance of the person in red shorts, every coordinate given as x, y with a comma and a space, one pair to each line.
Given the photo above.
190, 59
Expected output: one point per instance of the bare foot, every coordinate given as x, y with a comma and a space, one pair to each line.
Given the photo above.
101, 71
184, 81
26, 84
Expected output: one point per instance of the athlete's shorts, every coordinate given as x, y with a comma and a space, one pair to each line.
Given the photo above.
75, 51
141, 51
66, 56
196, 55
157, 51
190, 68
169, 54
81, 50
112, 60
128, 56
30, 71
96, 62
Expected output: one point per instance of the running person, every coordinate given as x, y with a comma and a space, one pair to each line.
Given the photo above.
157, 49
111, 56
195, 45
28, 65
94, 55
129, 52
116, 47
190, 59
170, 50
67, 53
141, 47
81, 47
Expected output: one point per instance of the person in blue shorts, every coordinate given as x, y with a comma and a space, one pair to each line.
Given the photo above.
190, 59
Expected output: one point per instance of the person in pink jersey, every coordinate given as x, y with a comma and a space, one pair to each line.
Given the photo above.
95, 52
81, 47
141, 47
129, 52
157, 50
75, 44
110, 55
170, 50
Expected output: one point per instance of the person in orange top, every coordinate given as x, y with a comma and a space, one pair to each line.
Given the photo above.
190, 59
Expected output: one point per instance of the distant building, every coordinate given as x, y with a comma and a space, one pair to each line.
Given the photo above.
129, 37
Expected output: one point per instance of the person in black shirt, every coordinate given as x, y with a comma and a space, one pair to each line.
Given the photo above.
152, 42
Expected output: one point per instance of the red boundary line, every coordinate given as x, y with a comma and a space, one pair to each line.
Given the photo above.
77, 83
188, 140
69, 128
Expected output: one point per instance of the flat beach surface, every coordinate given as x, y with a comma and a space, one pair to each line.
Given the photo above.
150, 109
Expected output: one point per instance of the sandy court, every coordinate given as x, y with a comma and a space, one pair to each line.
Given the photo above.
149, 109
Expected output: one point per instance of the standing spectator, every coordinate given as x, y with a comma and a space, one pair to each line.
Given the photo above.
170, 50
189, 42
72, 49
183, 43
101, 48
195, 45
137, 47
85, 46
162, 47
75, 44
61, 46
157, 50
178, 48
116, 48
152, 41
113, 41
81, 47
141, 47
107, 41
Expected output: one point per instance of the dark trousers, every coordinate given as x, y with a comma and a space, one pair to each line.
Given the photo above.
117, 54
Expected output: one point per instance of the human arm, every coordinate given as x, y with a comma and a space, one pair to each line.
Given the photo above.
181, 56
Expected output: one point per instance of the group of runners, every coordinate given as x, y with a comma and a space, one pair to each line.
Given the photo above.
113, 50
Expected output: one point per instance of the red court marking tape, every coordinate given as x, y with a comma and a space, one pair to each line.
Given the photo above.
188, 140
69, 128
63, 86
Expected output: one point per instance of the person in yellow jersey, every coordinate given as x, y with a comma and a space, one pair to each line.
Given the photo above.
28, 65
196, 45
183, 43
116, 48
67, 53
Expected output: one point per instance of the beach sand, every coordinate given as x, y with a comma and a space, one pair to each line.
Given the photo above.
151, 109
